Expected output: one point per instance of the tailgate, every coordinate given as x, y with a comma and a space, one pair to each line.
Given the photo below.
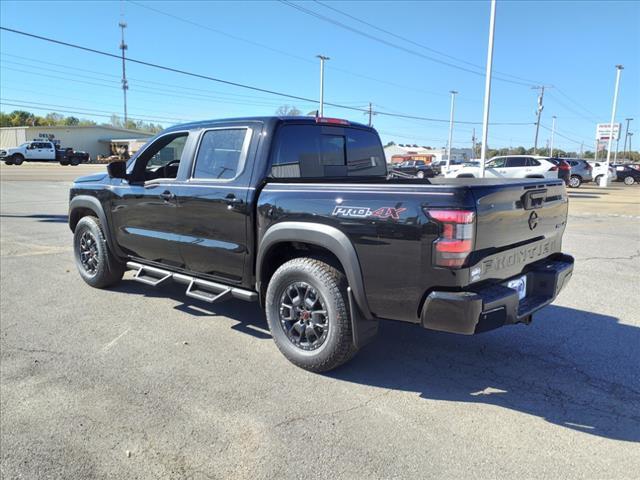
517, 223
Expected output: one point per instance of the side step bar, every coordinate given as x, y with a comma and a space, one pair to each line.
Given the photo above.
198, 288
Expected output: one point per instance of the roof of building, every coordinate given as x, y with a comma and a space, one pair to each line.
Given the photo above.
81, 127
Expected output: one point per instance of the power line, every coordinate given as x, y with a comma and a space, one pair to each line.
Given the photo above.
278, 51
393, 45
417, 44
235, 84
78, 113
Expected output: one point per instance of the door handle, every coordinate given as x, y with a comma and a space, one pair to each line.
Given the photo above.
167, 196
232, 200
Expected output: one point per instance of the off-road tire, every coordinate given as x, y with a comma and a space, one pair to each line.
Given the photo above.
109, 270
17, 159
331, 284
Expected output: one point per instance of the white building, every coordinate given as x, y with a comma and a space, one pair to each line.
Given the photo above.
95, 140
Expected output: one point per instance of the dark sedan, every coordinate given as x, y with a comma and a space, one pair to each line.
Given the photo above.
418, 168
626, 174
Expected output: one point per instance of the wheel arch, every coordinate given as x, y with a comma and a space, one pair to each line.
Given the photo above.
84, 205
287, 240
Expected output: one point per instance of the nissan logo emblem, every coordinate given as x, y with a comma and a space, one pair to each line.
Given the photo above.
533, 220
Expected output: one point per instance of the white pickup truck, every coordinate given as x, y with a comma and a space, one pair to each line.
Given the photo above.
42, 151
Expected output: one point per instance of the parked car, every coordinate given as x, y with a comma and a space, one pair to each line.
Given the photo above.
42, 151
600, 168
564, 169
512, 166
627, 174
439, 166
298, 213
418, 168
580, 172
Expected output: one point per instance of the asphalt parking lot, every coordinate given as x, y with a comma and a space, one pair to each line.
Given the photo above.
134, 382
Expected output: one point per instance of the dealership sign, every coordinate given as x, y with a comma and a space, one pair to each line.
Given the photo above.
603, 131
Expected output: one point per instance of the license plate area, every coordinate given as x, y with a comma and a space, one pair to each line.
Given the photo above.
519, 285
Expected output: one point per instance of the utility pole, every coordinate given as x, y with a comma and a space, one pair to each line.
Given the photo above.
473, 144
582, 149
125, 84
487, 88
605, 178
539, 114
624, 149
553, 131
371, 113
630, 149
596, 154
453, 106
322, 60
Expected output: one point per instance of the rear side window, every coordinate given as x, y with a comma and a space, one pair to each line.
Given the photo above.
517, 162
309, 151
532, 162
220, 154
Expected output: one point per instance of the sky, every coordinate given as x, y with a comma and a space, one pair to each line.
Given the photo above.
403, 57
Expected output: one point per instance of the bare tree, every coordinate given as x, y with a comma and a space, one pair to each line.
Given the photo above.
287, 110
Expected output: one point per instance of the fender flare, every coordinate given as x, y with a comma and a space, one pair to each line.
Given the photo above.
324, 236
93, 204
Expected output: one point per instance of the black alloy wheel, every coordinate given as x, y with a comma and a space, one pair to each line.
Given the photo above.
303, 316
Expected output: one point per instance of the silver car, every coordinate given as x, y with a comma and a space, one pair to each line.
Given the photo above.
580, 172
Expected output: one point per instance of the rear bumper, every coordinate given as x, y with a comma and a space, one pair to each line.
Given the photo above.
485, 308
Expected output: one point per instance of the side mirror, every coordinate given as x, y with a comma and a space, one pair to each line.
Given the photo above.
117, 169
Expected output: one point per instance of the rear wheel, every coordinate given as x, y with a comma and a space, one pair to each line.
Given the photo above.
597, 179
17, 159
96, 264
8, 162
75, 161
420, 174
64, 162
629, 180
306, 308
575, 181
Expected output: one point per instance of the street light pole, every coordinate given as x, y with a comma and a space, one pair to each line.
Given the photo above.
322, 60
125, 85
487, 88
605, 178
553, 131
539, 114
626, 134
453, 106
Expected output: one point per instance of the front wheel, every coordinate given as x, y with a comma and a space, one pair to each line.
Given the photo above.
420, 174
307, 312
17, 159
96, 264
8, 162
629, 180
597, 179
575, 181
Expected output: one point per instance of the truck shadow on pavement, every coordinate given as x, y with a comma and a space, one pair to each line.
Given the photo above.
573, 368
40, 217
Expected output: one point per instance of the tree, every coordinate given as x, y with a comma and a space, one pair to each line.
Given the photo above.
287, 110
389, 144
71, 121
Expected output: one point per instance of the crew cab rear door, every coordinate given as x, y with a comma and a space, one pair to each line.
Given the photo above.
213, 202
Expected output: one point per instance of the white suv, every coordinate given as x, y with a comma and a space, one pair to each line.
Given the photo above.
511, 166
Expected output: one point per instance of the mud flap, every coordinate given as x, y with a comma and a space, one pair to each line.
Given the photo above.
364, 330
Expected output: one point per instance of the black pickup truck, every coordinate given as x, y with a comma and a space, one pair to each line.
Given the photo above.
301, 215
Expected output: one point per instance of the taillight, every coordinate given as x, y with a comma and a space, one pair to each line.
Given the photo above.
589, 167
335, 121
455, 240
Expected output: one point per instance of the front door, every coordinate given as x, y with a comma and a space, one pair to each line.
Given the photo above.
213, 210
144, 209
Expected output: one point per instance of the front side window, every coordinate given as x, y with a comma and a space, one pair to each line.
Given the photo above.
161, 159
312, 151
219, 155
497, 163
